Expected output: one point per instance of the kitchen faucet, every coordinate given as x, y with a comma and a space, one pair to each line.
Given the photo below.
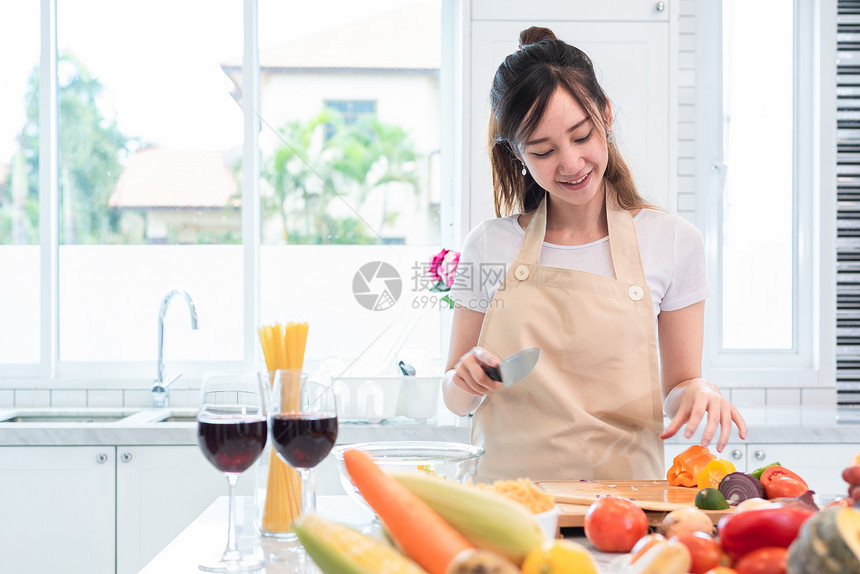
159, 391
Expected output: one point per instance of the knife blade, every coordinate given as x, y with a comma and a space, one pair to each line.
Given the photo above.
514, 368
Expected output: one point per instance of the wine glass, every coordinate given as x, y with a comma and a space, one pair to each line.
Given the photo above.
231, 431
303, 426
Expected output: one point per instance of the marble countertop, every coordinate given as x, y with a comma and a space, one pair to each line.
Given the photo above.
206, 536
147, 427
152, 426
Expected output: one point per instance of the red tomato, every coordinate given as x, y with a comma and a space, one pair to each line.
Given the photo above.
705, 552
615, 524
768, 560
785, 487
776, 472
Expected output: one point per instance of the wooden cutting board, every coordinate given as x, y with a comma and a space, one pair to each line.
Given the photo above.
655, 497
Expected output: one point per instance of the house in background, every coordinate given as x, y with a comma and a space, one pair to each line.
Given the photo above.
387, 65
191, 195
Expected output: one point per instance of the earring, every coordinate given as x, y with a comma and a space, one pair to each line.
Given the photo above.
524, 169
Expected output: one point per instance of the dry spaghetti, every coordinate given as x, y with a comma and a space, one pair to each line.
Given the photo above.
283, 348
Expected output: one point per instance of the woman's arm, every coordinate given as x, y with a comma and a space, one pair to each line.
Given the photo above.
465, 383
686, 396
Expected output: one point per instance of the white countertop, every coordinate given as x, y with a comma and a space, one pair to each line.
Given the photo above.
206, 537
783, 425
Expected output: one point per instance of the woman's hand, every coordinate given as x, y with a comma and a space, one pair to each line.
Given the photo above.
469, 372
690, 400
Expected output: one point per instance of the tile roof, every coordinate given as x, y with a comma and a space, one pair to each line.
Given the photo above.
162, 178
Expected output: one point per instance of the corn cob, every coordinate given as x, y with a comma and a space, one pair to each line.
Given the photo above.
338, 549
484, 518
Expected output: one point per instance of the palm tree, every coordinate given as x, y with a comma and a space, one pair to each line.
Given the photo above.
309, 170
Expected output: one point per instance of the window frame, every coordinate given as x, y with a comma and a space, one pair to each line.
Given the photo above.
811, 360
50, 372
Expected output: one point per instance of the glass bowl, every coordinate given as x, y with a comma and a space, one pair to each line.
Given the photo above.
452, 460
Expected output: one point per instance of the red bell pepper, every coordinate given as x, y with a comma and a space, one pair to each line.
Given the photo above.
745, 531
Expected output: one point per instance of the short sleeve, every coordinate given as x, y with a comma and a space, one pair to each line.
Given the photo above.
487, 251
689, 283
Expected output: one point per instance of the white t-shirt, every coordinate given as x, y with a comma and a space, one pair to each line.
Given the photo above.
671, 248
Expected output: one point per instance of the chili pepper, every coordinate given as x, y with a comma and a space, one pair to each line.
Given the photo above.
687, 466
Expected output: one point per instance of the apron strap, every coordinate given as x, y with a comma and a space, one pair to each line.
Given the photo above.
535, 232
623, 244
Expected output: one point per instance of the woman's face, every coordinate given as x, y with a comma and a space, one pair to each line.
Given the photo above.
566, 154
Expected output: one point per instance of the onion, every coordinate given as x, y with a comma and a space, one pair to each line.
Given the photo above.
683, 520
805, 500
753, 503
739, 486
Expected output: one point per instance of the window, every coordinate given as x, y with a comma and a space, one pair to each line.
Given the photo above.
759, 201
159, 182
350, 177
20, 317
148, 180
350, 111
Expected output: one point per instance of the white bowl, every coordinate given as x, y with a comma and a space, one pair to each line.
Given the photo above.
548, 521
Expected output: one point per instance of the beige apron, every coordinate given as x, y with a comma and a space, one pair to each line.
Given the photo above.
592, 406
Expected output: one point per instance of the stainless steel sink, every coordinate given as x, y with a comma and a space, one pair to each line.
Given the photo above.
178, 419
63, 419
65, 415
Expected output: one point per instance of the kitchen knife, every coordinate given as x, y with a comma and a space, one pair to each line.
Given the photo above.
514, 368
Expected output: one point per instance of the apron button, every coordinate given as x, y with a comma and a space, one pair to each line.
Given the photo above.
521, 272
635, 292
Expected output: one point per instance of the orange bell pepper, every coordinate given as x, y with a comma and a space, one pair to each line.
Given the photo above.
687, 466
714, 472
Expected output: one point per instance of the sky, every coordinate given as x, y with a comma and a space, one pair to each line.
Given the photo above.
158, 60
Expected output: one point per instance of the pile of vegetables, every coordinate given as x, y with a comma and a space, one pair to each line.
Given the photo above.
438, 526
775, 528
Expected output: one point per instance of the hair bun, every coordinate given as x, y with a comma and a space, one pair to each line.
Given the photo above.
534, 35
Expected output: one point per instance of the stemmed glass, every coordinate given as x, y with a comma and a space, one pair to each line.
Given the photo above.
303, 426
231, 431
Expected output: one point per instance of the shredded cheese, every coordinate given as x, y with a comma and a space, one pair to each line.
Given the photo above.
525, 492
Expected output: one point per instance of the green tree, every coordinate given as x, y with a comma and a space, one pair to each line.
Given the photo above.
312, 177
90, 159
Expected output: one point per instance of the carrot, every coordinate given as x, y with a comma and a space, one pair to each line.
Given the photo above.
421, 533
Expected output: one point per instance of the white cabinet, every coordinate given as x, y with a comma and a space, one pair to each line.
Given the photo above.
540, 11
820, 465
58, 509
100, 509
631, 60
161, 490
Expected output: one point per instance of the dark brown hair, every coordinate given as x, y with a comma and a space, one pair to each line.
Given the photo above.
521, 90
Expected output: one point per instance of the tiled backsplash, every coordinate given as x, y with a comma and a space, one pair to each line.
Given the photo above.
741, 397
92, 398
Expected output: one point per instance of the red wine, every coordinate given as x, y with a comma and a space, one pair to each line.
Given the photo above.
304, 439
231, 445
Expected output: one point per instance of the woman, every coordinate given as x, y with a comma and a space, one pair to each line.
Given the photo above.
590, 267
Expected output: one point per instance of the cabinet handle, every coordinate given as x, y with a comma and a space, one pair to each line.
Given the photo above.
737, 454
760, 454
660, 6
125, 457
101, 458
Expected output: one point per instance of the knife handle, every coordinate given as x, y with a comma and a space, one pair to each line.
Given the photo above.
493, 372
